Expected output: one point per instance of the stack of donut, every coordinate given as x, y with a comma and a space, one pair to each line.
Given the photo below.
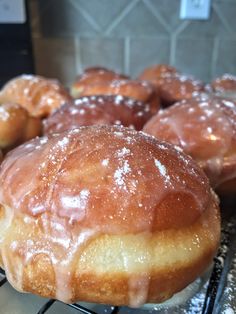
115, 203
97, 81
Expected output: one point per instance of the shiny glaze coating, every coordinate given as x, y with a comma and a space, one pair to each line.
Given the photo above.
105, 214
155, 72
16, 126
38, 95
177, 87
98, 110
171, 85
204, 128
226, 82
93, 76
139, 90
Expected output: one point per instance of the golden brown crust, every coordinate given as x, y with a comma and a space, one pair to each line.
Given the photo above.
177, 87
225, 83
110, 152
85, 218
16, 126
93, 76
32, 129
171, 85
38, 95
155, 72
98, 110
139, 90
205, 128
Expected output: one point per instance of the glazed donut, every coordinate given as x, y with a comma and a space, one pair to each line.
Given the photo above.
224, 86
93, 76
139, 90
205, 128
32, 128
176, 87
16, 126
98, 110
155, 72
106, 215
38, 95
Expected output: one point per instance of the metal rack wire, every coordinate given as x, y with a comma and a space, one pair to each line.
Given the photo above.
214, 284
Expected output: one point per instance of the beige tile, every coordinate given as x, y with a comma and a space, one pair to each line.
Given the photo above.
139, 22
193, 56
147, 51
169, 10
107, 52
55, 58
103, 11
226, 58
227, 12
209, 28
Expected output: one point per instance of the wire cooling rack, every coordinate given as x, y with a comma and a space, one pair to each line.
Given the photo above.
214, 288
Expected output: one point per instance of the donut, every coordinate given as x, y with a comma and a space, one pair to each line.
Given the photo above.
155, 72
171, 85
204, 128
224, 86
16, 126
105, 214
176, 87
38, 95
139, 90
98, 110
91, 76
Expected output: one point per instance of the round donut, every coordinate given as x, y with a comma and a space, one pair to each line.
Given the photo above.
139, 90
174, 88
38, 95
155, 72
16, 126
204, 128
224, 86
93, 76
107, 215
98, 110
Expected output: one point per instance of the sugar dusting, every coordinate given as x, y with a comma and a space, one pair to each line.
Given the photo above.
120, 173
119, 149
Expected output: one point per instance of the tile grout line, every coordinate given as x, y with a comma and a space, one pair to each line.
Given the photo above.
78, 61
121, 16
173, 39
156, 14
215, 52
223, 20
86, 15
127, 55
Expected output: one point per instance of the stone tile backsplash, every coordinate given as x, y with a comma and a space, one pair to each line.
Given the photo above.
128, 35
